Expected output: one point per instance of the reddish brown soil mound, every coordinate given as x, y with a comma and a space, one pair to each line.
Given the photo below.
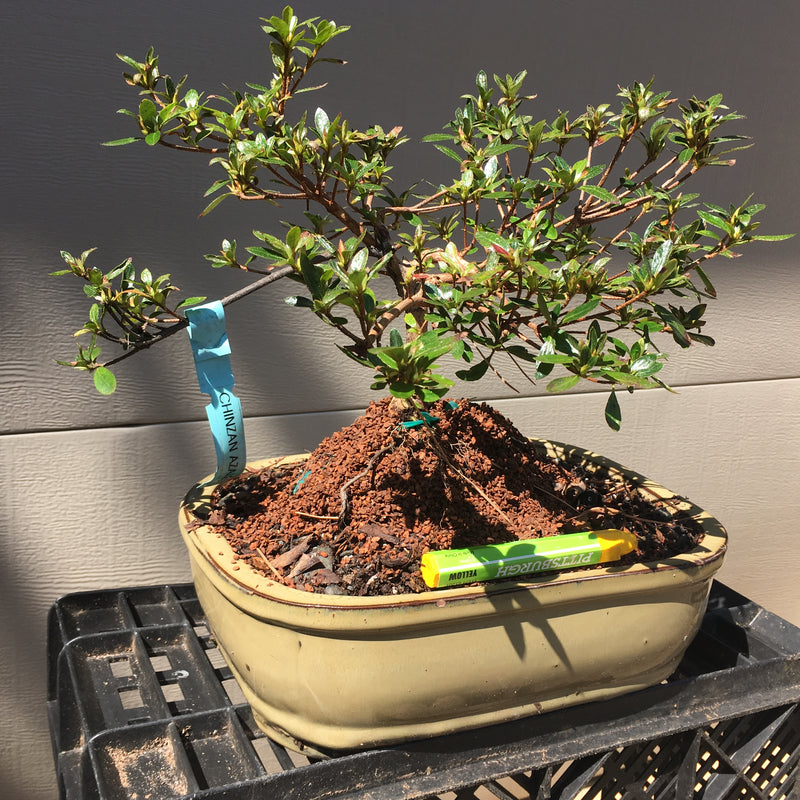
356, 517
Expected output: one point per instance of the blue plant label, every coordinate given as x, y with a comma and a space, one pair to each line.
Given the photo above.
211, 350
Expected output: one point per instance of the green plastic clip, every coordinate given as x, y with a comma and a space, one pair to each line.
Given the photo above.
427, 419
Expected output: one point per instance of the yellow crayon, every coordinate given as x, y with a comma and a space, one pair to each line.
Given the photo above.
442, 568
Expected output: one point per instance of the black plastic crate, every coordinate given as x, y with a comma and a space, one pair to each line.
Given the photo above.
143, 707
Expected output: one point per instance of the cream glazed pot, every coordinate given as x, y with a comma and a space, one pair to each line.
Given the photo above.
330, 673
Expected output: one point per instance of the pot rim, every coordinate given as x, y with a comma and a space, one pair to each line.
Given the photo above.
220, 558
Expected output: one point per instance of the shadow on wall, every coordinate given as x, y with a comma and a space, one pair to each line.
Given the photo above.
22, 668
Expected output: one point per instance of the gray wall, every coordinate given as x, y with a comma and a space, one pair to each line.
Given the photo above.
91, 485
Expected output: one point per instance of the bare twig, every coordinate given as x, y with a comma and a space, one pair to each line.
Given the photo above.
270, 277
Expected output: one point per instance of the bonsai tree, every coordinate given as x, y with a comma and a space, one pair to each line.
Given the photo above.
560, 250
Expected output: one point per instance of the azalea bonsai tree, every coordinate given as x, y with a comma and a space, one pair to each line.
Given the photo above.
561, 250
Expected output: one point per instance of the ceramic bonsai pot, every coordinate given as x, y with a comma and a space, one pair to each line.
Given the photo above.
328, 673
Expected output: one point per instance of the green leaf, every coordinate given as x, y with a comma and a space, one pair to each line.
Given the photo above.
449, 152
401, 390
676, 326
261, 252
546, 357
543, 370
359, 260
661, 257
215, 187
132, 63
293, 236
312, 276
430, 395
489, 238
627, 379
613, 412
192, 98
386, 357
438, 137
298, 301
707, 285
321, 121
474, 373
713, 220
580, 311
432, 345
518, 351
148, 113
601, 194
497, 148
213, 204
190, 301
153, 138
647, 365
104, 380
118, 142
563, 383
560, 163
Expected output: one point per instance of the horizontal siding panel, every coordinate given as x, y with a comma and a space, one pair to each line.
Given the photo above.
69, 193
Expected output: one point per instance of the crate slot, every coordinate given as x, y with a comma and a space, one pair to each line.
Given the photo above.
113, 682
173, 693
266, 755
234, 691
130, 699
216, 659
154, 606
516, 786
144, 763
160, 663
218, 751
121, 667
83, 614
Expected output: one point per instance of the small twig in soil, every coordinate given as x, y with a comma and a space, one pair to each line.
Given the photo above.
347, 484
269, 563
597, 511
451, 464
314, 516
558, 499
